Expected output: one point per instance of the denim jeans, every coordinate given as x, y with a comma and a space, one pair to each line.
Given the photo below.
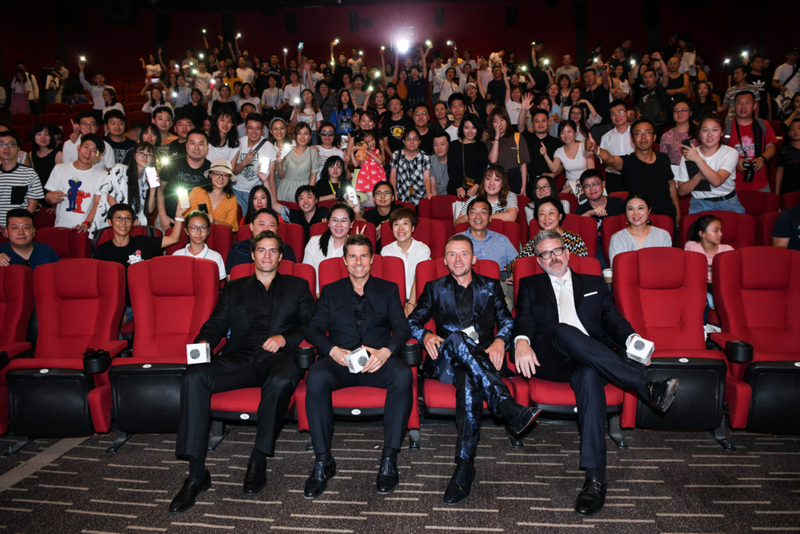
698, 205
241, 198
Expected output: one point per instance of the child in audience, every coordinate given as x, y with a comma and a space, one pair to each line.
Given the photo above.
198, 228
705, 236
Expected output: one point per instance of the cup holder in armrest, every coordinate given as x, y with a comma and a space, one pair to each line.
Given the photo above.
304, 357
739, 351
96, 361
412, 354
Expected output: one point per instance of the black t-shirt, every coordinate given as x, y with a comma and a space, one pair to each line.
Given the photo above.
538, 165
599, 99
764, 84
426, 142
259, 329
614, 206
297, 217
789, 159
179, 175
372, 216
497, 89
652, 104
788, 225
139, 248
176, 149
651, 180
123, 151
394, 129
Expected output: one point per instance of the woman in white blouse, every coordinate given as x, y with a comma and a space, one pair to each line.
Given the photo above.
403, 223
571, 157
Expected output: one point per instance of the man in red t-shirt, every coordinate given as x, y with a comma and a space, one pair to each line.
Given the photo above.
757, 143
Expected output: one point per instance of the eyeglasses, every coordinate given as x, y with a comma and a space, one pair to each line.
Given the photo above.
618, 113
592, 185
556, 252
412, 139
479, 212
86, 123
120, 219
543, 188
147, 155
382, 194
326, 134
198, 229
10, 144
421, 113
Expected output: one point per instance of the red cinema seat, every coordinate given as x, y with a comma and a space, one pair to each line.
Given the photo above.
439, 399
172, 297
557, 399
661, 291
429, 231
16, 305
79, 304
569, 197
756, 291
53, 119
738, 230
57, 107
137, 116
439, 207
757, 203
361, 400
23, 119
84, 106
522, 221
612, 225
790, 199
765, 224
220, 239
65, 242
107, 234
44, 219
241, 405
290, 233
507, 228
369, 230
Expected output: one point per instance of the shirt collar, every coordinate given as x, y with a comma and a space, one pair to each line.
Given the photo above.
567, 276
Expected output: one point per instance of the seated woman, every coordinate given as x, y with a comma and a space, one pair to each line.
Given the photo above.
331, 243
640, 233
571, 157
331, 183
403, 223
708, 172
544, 187
704, 237
217, 197
495, 189
259, 199
549, 213
198, 228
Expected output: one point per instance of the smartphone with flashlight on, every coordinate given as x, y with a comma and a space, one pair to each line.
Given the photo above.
263, 165
152, 176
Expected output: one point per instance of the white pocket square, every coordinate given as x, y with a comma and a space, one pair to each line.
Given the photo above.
590, 294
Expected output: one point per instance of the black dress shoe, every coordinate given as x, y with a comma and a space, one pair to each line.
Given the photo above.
460, 485
520, 417
662, 392
317, 482
388, 477
592, 497
185, 498
255, 479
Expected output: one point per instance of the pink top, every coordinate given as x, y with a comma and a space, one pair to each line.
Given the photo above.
370, 174
694, 246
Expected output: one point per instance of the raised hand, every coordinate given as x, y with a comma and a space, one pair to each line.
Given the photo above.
527, 101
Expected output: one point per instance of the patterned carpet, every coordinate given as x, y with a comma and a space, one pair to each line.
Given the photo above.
665, 482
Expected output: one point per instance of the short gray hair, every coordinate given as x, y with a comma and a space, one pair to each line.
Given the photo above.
544, 235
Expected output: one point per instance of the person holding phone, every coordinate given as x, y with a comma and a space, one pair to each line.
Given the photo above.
255, 162
217, 198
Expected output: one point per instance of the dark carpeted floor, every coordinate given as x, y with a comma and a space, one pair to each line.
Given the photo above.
665, 482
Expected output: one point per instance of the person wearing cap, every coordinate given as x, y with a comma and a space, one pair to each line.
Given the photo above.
217, 198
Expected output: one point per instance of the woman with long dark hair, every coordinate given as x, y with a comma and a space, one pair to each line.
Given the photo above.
494, 188
223, 142
508, 149
467, 158
331, 243
260, 198
331, 181
43, 155
342, 116
196, 108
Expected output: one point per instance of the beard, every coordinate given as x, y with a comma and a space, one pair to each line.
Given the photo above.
557, 268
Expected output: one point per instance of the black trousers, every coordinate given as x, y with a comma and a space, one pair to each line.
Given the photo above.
569, 355
276, 375
326, 376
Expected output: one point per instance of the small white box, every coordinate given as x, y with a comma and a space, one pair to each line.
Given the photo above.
640, 350
357, 359
198, 353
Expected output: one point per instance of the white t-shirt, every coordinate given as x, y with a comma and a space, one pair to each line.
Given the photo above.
325, 153
724, 159
291, 94
309, 117
206, 254
118, 106
69, 154
437, 77
224, 152
252, 100
617, 144
514, 109
782, 73
452, 131
246, 74
313, 255
202, 82
248, 178
271, 97
80, 188
417, 252
573, 167
572, 72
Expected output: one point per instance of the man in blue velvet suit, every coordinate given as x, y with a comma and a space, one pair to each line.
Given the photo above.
466, 308
358, 311
568, 326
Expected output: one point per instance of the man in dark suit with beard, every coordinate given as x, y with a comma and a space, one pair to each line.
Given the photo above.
267, 315
568, 327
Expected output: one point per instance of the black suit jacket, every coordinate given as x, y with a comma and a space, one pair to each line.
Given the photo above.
537, 309
333, 324
292, 309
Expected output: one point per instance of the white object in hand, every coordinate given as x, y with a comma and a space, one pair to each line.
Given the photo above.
640, 350
198, 353
357, 359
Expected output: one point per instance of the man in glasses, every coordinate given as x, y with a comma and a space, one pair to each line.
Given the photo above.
86, 124
558, 336
598, 205
20, 186
198, 228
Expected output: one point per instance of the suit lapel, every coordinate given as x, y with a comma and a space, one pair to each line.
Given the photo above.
577, 291
547, 289
480, 299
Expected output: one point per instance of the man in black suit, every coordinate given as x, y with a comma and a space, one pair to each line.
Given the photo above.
358, 311
568, 326
466, 352
267, 315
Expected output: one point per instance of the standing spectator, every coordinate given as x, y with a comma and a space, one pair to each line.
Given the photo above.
329, 143
675, 82
202, 80
43, 156
787, 178
411, 170
758, 78
704, 102
597, 94
196, 108
223, 102
299, 167
20, 187
506, 150
395, 126
755, 142
617, 141
569, 70
342, 116
243, 71
536, 137
254, 152
787, 77
223, 141
570, 158
96, 90
21, 89
181, 175
467, 159
740, 84
325, 99
670, 143
198, 228
111, 102
651, 102
439, 169
120, 145
56, 81
86, 124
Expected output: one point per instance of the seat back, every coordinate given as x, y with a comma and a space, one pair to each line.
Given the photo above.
586, 227
44, 219
220, 239
286, 267
757, 203
507, 228
53, 119
172, 296
79, 304
765, 224
790, 199
756, 291
738, 230
107, 234
16, 303
612, 225
439, 207
434, 269
388, 267
573, 201
662, 292
522, 221
65, 242
428, 231
57, 108
529, 266
290, 233
369, 230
